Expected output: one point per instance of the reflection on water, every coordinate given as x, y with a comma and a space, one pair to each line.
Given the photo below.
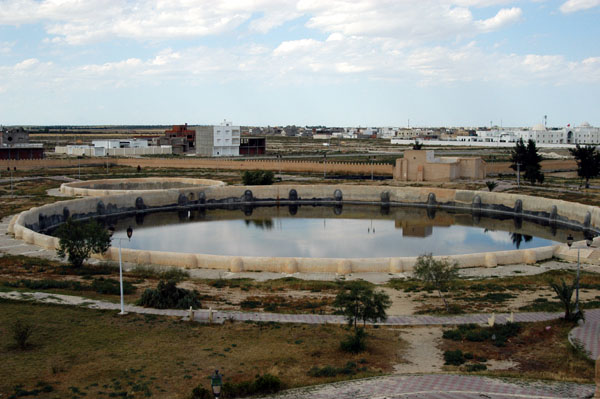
333, 232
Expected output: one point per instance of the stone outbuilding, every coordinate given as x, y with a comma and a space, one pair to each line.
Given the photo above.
422, 165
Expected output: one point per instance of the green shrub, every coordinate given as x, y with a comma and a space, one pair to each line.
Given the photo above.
172, 274
476, 367
454, 335
111, 287
250, 304
355, 343
168, 296
258, 177
265, 384
262, 385
478, 335
201, 393
330, 371
21, 333
454, 358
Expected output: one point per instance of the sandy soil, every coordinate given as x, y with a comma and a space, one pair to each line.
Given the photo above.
422, 354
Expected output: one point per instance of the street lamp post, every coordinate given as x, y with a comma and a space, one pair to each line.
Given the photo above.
111, 231
588, 242
216, 381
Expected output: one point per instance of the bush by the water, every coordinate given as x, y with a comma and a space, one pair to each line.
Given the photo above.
168, 296
258, 177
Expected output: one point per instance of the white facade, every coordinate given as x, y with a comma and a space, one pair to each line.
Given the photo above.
584, 134
121, 143
218, 140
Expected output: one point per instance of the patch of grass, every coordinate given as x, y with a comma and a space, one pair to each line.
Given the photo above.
150, 272
81, 347
100, 285
330, 371
540, 350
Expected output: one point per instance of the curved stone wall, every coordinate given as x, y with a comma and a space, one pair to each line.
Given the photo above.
29, 224
98, 188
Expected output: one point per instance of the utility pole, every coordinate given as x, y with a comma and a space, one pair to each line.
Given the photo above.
518, 175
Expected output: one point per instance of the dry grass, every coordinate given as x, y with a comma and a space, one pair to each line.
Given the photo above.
537, 352
100, 351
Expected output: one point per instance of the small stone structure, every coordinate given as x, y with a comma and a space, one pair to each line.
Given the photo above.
97, 188
422, 165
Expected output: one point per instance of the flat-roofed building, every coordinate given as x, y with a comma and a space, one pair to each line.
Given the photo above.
218, 140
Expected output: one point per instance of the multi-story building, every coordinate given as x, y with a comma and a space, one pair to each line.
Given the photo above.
218, 140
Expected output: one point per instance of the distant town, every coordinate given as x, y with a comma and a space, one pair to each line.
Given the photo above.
228, 140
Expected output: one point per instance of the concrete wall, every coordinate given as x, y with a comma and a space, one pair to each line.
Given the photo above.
492, 168
24, 225
98, 188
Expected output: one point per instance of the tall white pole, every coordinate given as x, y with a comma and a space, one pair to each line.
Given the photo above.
577, 286
121, 278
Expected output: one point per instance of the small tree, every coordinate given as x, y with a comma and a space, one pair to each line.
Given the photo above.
417, 145
362, 302
564, 292
438, 273
588, 162
77, 241
21, 333
491, 185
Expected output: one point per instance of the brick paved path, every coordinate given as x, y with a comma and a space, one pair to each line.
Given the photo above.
588, 334
439, 386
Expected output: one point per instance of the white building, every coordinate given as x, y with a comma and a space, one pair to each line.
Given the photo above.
121, 143
583, 134
218, 140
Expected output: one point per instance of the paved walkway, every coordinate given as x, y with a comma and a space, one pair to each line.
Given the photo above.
440, 386
588, 334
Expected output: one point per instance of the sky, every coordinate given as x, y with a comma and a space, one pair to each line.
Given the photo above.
303, 62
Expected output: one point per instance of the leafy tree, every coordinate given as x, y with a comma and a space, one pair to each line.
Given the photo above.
77, 240
529, 159
588, 162
564, 292
438, 273
258, 177
362, 302
417, 145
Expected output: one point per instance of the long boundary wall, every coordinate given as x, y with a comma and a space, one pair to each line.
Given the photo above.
26, 225
492, 168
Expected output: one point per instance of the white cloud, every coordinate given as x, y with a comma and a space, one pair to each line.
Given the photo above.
504, 17
578, 5
78, 22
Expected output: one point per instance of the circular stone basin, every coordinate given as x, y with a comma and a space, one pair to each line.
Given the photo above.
123, 186
348, 231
